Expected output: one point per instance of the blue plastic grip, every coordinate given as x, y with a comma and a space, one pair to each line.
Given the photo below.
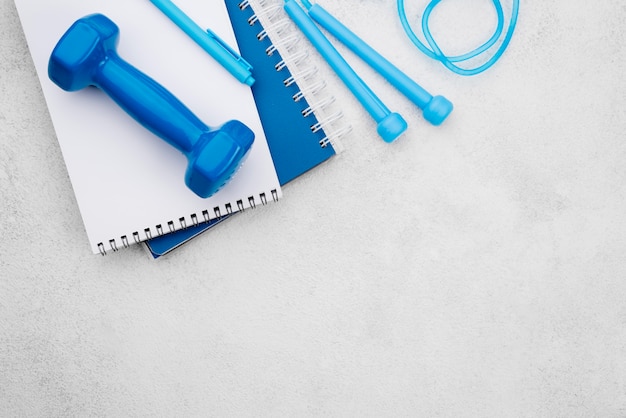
149, 103
390, 125
86, 56
435, 109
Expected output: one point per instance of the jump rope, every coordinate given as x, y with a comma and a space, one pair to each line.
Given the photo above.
434, 51
390, 125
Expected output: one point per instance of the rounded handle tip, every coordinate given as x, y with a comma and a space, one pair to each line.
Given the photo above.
391, 127
437, 110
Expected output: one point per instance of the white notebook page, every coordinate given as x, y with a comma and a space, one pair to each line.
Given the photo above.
125, 178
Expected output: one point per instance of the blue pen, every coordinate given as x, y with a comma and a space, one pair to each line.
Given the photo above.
435, 109
209, 41
390, 125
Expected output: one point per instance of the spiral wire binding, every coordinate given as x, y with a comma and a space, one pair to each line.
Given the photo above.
287, 43
303, 74
286, 40
193, 219
297, 57
318, 106
268, 13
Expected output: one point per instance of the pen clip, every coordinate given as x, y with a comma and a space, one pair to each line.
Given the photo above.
228, 49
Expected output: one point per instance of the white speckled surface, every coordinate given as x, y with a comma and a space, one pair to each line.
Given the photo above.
473, 269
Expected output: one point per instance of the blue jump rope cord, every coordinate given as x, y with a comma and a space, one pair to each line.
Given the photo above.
435, 52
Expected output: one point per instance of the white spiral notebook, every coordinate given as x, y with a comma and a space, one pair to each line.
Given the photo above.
129, 184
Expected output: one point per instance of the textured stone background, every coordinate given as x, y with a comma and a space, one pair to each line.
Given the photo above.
471, 269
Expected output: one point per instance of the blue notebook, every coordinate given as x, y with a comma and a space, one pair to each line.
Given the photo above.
297, 140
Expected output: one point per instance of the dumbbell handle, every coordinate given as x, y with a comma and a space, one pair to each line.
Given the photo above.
149, 103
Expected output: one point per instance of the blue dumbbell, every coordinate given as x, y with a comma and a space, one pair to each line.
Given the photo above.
86, 56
